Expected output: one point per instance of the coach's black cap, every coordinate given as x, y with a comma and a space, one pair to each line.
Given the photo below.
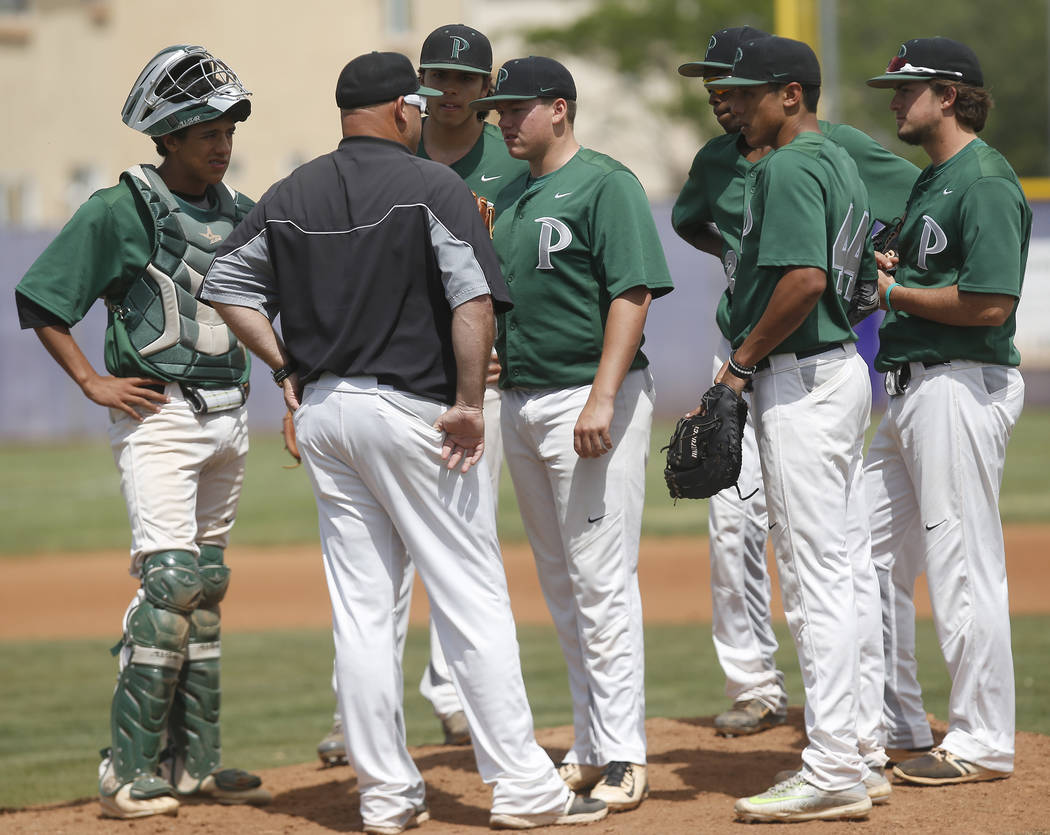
530, 78
377, 77
721, 50
456, 47
773, 60
924, 59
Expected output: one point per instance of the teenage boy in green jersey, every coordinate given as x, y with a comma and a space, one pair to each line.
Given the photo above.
936, 463
175, 391
582, 260
744, 639
803, 245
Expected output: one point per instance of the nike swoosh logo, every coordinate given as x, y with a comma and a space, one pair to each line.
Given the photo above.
779, 74
772, 525
596, 518
948, 190
546, 89
562, 194
937, 525
760, 801
485, 179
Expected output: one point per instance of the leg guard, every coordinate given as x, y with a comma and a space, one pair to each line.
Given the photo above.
155, 634
192, 761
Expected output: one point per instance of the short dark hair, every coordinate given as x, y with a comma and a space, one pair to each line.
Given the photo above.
159, 140
570, 108
810, 94
971, 103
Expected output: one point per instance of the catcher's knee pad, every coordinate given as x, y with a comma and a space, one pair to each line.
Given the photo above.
171, 580
215, 576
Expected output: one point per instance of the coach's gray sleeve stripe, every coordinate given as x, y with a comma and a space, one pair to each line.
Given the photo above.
244, 277
462, 275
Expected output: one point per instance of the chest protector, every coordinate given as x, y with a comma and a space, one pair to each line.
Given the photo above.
175, 335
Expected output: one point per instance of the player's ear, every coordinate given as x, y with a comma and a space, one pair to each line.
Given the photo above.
791, 94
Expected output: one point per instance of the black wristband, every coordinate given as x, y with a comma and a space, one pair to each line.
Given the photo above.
744, 372
283, 373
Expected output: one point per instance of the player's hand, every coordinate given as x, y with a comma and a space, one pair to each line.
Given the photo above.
885, 280
464, 428
737, 384
590, 436
492, 375
886, 260
128, 394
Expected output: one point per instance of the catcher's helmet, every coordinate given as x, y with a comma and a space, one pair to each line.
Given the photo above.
181, 86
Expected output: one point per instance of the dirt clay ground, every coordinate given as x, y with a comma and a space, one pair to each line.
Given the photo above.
694, 774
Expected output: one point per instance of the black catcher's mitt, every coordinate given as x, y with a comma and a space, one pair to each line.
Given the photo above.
703, 455
865, 299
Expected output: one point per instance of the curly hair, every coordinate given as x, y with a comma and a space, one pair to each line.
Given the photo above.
971, 103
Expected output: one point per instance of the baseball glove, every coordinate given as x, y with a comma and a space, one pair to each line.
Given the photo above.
703, 455
288, 431
487, 211
865, 299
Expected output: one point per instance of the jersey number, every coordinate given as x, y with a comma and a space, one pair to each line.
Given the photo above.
550, 225
846, 253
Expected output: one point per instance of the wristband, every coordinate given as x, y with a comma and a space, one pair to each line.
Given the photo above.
744, 372
283, 373
889, 290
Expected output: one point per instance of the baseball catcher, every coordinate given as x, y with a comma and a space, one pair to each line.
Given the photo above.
703, 455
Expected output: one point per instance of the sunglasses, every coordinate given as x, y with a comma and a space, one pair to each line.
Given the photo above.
712, 87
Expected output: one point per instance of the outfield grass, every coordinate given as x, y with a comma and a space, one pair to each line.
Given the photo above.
277, 703
66, 497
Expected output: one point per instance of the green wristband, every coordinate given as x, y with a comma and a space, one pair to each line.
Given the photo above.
889, 290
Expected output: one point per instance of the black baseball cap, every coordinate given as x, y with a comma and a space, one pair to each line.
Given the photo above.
773, 60
924, 59
530, 78
377, 77
721, 50
456, 47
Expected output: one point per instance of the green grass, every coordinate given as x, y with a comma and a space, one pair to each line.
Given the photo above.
277, 703
66, 497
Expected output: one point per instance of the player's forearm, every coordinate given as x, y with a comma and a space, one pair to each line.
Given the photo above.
623, 335
473, 331
255, 332
795, 295
949, 306
60, 343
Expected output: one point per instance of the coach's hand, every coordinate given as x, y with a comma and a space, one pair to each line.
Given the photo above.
464, 428
492, 374
128, 394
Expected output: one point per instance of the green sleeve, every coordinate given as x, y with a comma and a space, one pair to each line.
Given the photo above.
888, 177
102, 247
626, 244
692, 211
993, 226
793, 230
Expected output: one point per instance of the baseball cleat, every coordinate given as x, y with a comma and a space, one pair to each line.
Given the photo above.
899, 755
878, 787
143, 797
332, 749
796, 799
457, 732
746, 717
231, 787
623, 786
942, 768
577, 809
579, 777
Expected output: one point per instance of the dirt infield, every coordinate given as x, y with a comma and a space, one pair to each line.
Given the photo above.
694, 774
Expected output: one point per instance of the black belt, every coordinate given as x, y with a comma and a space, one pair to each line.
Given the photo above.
763, 363
157, 387
935, 364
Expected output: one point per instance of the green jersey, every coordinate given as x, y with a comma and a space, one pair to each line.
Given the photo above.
569, 243
100, 253
487, 167
714, 191
805, 206
967, 224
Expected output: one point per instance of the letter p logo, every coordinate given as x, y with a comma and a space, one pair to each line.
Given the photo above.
459, 45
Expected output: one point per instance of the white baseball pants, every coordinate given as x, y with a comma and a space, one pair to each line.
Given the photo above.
933, 474
741, 624
382, 491
180, 474
810, 417
583, 517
